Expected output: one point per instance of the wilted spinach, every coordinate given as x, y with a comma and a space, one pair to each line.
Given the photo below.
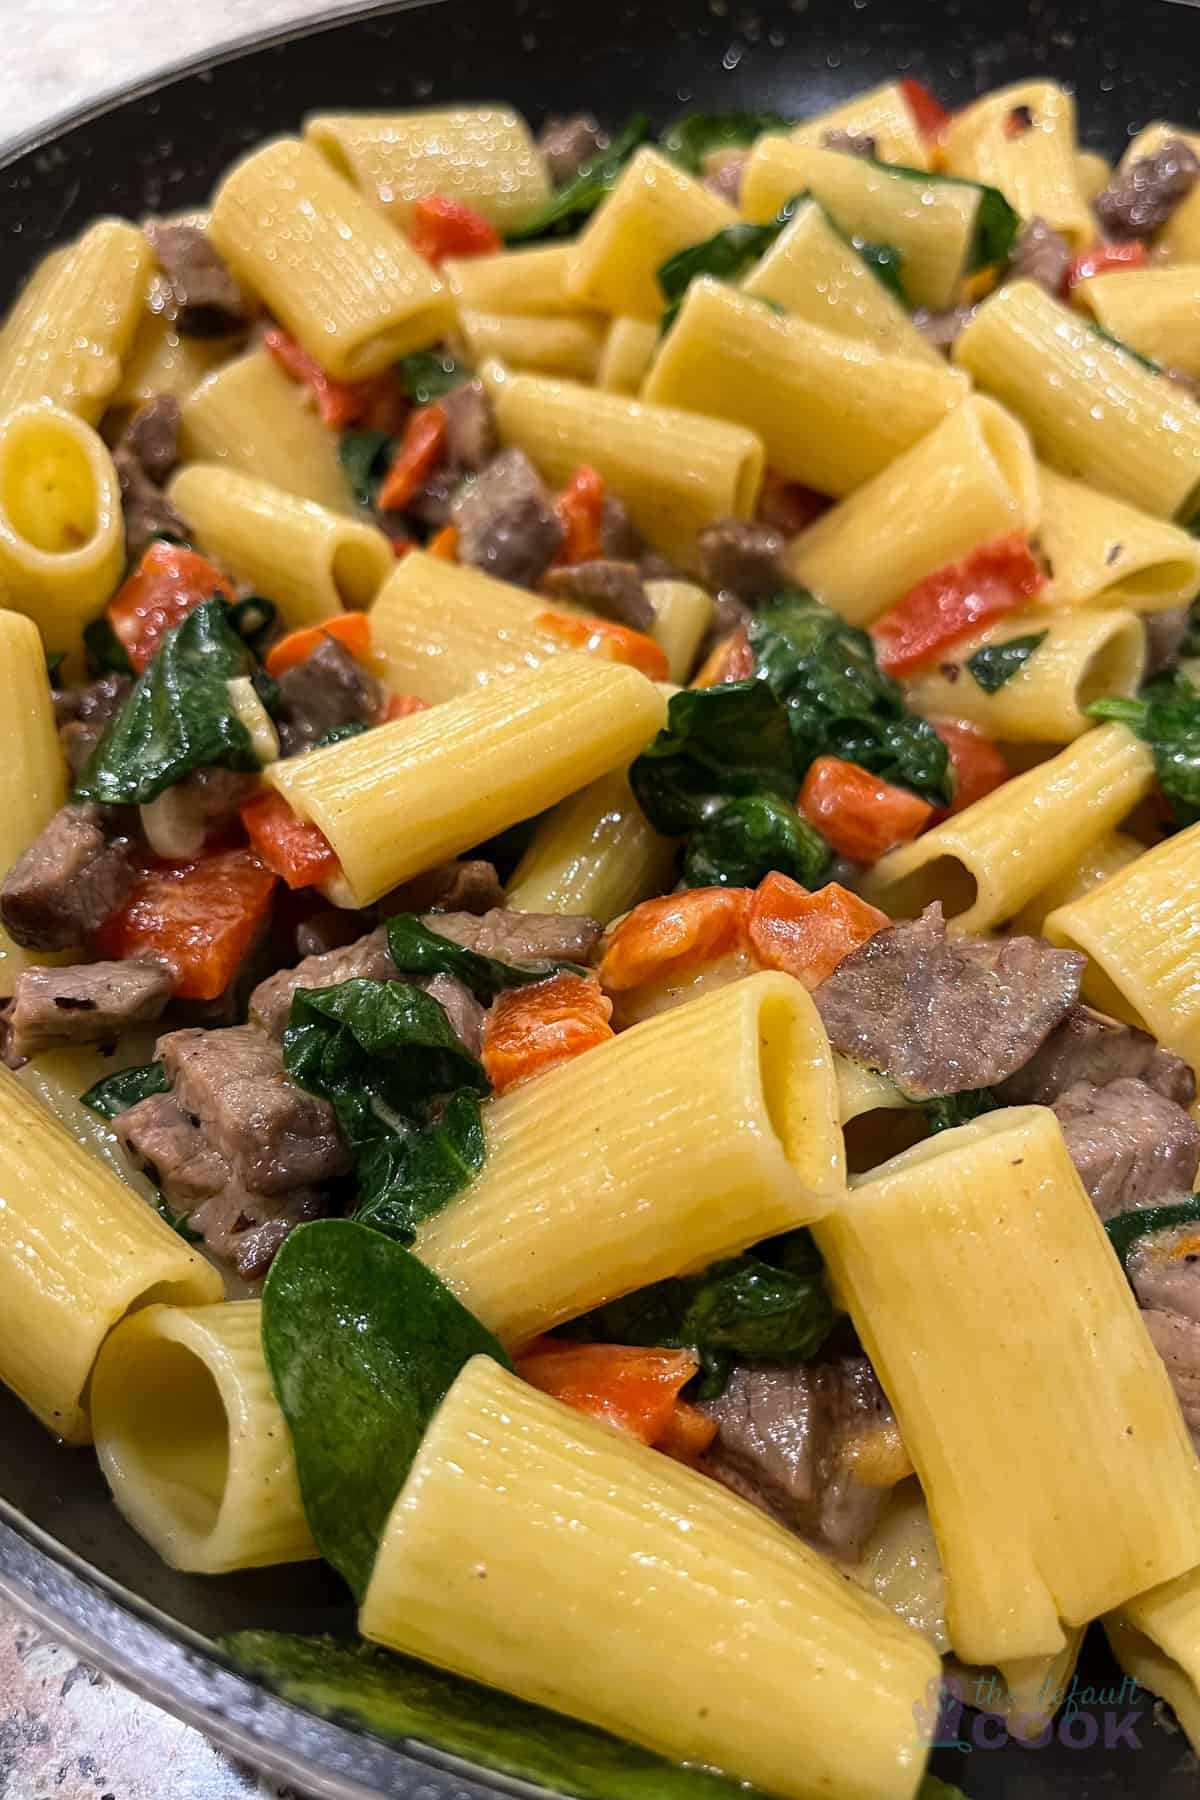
995, 664
1166, 715
416, 950
426, 375
694, 137
950, 1110
124, 1088
365, 457
594, 179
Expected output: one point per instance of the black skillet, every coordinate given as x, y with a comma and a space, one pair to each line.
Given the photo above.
64, 1554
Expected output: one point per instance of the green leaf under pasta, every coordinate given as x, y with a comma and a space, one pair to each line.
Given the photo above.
426, 375
119, 1091
588, 187
1165, 715
695, 136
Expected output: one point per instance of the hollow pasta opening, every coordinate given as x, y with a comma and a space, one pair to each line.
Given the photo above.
1154, 580
1008, 447
943, 878
49, 487
785, 1053
356, 573
1116, 666
169, 1433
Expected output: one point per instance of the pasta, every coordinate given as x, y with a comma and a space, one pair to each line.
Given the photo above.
626, 355
1102, 859
546, 346
1021, 139
683, 614
345, 283
400, 799
250, 417
882, 114
1180, 235
1100, 550
765, 1112
965, 1219
1152, 309
592, 853
31, 755
1154, 1638
162, 361
531, 283
654, 210
315, 562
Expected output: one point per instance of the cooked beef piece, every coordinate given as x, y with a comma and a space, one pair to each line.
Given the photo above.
506, 521
1130, 1145
273, 1134
1165, 1270
463, 1010
256, 1243
522, 937
789, 1438
334, 928
470, 429
1143, 197
567, 144
620, 538
430, 505
152, 436
742, 558
367, 958
941, 329
1041, 254
1165, 632
942, 1016
1089, 1046
724, 178
209, 301
203, 805
470, 886
854, 143
329, 688
89, 1004
653, 566
613, 590
147, 512
729, 615
69, 880
1177, 1341
93, 711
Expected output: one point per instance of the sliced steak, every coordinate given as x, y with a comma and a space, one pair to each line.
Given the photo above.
145, 509
1165, 632
255, 1240
208, 300
1143, 197
943, 1016
430, 505
273, 1135
152, 437
790, 1439
568, 143
942, 329
94, 709
1041, 254
613, 590
89, 1004
366, 958
470, 429
506, 521
521, 937
1165, 1270
470, 885
853, 143
740, 557
1131, 1146
328, 689
1177, 1341
620, 538
463, 1010
333, 928
1090, 1047
77, 872
724, 178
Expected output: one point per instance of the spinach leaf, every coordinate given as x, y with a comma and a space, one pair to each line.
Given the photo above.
103, 649
694, 137
1166, 715
746, 838
254, 619
1120, 344
426, 375
396, 1698
416, 950
363, 1343
995, 664
588, 187
337, 734
726, 255
179, 716
770, 1302
1127, 1229
125, 1087
885, 263
996, 222
54, 662
949, 1110
838, 702
718, 743
364, 456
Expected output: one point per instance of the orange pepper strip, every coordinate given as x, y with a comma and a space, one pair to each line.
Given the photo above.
601, 637
529, 1030
807, 935
200, 917
978, 765
340, 403
167, 584
673, 933
634, 1389
860, 815
402, 706
352, 631
440, 227
580, 509
730, 660
688, 1435
445, 544
419, 453
1107, 259
292, 847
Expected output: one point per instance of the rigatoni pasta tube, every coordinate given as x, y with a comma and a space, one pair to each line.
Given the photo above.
31, 759
815, 399
73, 323
595, 852
79, 1250
739, 1085
1093, 173
931, 223
1180, 236
531, 282
1140, 930
1101, 550
62, 538
985, 863
882, 114
675, 471
343, 280
626, 355
634, 1552
1058, 1499
1156, 1639
163, 361
192, 1442
1093, 410
1155, 310
813, 273
1021, 139
654, 210
548, 346
1086, 652
312, 562
252, 417
406, 796
483, 156
973, 478
1116, 850
683, 613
